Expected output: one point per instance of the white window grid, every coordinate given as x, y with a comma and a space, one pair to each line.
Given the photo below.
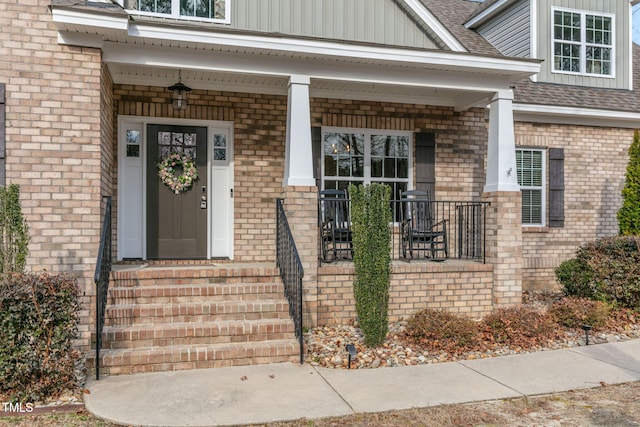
367, 176
600, 54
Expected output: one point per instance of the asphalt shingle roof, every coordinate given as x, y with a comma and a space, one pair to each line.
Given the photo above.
454, 13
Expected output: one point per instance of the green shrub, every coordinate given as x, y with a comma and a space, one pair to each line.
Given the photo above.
14, 233
440, 330
575, 312
629, 213
519, 327
371, 217
38, 320
612, 266
576, 279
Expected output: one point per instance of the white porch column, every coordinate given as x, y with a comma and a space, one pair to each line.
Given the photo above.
298, 169
501, 157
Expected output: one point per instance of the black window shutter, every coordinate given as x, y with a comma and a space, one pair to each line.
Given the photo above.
316, 152
426, 162
556, 187
3, 175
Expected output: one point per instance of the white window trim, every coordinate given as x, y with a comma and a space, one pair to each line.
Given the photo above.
543, 189
175, 13
367, 154
583, 42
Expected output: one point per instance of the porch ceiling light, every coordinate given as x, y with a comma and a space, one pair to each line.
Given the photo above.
179, 97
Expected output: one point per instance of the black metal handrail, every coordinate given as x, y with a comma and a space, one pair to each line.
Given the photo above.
101, 278
465, 224
291, 270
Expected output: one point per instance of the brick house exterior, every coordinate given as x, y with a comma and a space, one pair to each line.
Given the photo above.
78, 76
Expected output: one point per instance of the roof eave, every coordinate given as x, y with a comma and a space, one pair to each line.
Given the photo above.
478, 19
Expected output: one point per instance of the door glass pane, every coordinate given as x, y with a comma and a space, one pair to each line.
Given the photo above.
220, 140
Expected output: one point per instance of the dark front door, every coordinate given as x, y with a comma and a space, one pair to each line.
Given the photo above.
176, 223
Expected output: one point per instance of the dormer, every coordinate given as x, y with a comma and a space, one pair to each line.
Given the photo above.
581, 42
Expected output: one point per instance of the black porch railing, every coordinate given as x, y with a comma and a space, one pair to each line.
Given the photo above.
291, 271
101, 278
463, 222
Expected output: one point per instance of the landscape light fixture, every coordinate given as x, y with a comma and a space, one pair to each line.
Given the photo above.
179, 97
586, 329
352, 353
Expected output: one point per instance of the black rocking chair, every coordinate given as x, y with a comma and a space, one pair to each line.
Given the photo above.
421, 233
335, 225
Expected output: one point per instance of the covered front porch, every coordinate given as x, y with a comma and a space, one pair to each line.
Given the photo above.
259, 121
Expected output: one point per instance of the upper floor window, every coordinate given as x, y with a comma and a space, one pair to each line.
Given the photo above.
582, 43
210, 10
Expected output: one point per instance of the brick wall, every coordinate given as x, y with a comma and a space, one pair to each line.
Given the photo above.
595, 163
455, 286
53, 135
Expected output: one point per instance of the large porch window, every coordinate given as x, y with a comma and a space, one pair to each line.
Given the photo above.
366, 156
209, 10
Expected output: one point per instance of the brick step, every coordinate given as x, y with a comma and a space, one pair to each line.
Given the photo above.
170, 334
193, 293
197, 275
132, 314
174, 358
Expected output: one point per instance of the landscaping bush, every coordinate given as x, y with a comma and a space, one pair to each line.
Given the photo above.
606, 270
14, 233
519, 327
573, 312
371, 217
38, 320
440, 330
576, 279
629, 213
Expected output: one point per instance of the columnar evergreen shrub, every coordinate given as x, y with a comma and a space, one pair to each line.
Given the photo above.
14, 233
605, 270
371, 218
629, 213
38, 323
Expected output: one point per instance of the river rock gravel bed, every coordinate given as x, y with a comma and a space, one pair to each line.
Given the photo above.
326, 346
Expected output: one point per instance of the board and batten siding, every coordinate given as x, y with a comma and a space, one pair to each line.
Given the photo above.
372, 21
622, 35
510, 31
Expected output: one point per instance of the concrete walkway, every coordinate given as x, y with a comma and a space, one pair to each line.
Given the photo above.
264, 393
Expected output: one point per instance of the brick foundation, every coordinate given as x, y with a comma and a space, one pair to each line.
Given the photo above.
457, 286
